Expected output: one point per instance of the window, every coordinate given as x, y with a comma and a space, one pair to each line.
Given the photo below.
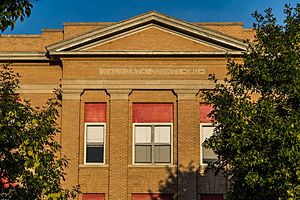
152, 143
152, 133
211, 197
94, 142
207, 155
206, 130
93, 196
94, 133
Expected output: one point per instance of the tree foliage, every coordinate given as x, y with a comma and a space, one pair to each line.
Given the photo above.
257, 109
12, 10
30, 166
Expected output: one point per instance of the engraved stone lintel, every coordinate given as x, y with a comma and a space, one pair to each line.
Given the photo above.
119, 94
71, 94
152, 70
186, 94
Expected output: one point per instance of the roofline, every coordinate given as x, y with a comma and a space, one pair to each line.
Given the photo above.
23, 56
147, 18
20, 35
87, 23
146, 53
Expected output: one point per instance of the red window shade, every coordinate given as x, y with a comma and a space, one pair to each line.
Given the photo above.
144, 113
211, 197
204, 110
93, 197
152, 196
95, 112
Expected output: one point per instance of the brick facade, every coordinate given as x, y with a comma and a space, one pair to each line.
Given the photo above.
151, 58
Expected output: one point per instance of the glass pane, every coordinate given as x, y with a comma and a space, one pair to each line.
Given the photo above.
162, 134
208, 155
162, 154
212, 197
95, 133
94, 154
143, 154
143, 134
207, 131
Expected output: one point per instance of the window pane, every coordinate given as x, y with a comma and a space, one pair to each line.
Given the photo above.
95, 134
162, 134
162, 154
212, 197
143, 154
94, 154
207, 154
143, 134
207, 131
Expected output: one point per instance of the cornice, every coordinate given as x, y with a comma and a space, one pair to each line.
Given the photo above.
146, 53
23, 56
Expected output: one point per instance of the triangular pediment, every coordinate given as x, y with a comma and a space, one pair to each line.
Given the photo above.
150, 32
152, 38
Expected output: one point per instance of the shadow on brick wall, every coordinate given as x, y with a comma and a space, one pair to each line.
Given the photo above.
188, 183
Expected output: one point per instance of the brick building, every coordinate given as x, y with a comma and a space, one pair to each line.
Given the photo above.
132, 118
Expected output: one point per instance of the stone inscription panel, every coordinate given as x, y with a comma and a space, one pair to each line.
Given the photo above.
152, 71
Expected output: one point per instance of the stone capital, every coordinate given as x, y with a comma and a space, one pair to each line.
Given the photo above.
71, 94
119, 94
186, 94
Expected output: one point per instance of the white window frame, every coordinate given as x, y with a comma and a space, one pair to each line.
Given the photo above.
201, 148
133, 143
104, 142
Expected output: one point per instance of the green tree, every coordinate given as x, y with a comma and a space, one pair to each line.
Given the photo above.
12, 10
30, 165
257, 110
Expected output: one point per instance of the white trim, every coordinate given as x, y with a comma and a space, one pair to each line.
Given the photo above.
133, 145
200, 133
147, 53
104, 141
7, 56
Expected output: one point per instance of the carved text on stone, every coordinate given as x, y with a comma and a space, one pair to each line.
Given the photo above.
149, 71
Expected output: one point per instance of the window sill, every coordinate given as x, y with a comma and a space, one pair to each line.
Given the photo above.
93, 165
152, 166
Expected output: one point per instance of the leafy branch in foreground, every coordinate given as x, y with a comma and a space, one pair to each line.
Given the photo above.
30, 162
12, 10
257, 109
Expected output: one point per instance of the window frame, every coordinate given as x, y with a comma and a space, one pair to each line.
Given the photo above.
152, 163
200, 133
86, 124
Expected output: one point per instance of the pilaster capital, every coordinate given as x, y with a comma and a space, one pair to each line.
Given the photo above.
119, 94
186, 94
71, 94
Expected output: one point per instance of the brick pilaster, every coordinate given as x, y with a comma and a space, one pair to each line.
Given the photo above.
70, 135
188, 143
118, 177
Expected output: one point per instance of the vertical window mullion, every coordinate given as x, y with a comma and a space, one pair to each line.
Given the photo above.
160, 144
152, 144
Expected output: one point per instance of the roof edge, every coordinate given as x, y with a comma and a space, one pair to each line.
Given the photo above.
25, 56
148, 17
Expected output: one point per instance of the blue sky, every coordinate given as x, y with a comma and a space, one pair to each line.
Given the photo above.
53, 13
